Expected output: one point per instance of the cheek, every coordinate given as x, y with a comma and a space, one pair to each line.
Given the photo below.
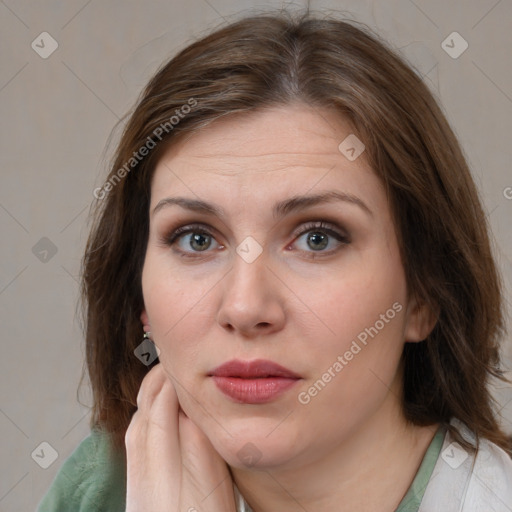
363, 319
176, 307
354, 370
369, 299
172, 293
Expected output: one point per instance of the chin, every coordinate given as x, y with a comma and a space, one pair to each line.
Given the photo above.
259, 445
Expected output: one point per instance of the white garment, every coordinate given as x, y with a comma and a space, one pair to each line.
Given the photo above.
454, 486
241, 504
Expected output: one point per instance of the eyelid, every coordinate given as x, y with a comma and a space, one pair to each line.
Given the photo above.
174, 234
322, 225
172, 238
332, 229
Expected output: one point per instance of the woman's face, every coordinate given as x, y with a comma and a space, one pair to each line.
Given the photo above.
273, 266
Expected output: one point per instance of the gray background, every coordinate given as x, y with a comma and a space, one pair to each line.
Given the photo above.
57, 114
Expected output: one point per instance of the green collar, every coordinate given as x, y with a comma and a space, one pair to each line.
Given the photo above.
411, 501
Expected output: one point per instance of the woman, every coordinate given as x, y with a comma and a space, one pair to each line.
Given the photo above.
290, 221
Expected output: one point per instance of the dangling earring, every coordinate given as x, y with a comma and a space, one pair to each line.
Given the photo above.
147, 351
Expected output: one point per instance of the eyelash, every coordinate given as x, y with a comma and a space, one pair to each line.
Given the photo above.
318, 226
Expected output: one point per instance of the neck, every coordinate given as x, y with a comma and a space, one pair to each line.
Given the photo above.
371, 469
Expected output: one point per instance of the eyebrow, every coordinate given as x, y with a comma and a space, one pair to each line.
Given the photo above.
280, 209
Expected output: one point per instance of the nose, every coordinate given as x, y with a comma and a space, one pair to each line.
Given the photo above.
252, 303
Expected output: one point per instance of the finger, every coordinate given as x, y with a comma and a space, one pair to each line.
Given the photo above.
207, 472
152, 443
150, 386
154, 426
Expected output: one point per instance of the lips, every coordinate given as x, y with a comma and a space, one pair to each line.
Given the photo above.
256, 369
253, 382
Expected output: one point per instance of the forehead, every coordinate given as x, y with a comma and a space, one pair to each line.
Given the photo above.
260, 155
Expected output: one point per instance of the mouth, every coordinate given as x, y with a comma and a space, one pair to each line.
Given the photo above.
253, 382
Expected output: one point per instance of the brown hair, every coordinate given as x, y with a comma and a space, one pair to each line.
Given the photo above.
271, 60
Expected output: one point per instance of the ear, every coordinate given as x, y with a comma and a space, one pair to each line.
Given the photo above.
421, 319
145, 320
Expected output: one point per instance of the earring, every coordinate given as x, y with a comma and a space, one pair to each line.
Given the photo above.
147, 351
147, 333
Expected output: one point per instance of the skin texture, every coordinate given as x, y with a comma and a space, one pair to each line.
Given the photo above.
285, 306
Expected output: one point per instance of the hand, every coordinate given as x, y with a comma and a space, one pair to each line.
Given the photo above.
171, 464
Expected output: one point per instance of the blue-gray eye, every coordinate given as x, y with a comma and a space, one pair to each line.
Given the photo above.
319, 236
191, 238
